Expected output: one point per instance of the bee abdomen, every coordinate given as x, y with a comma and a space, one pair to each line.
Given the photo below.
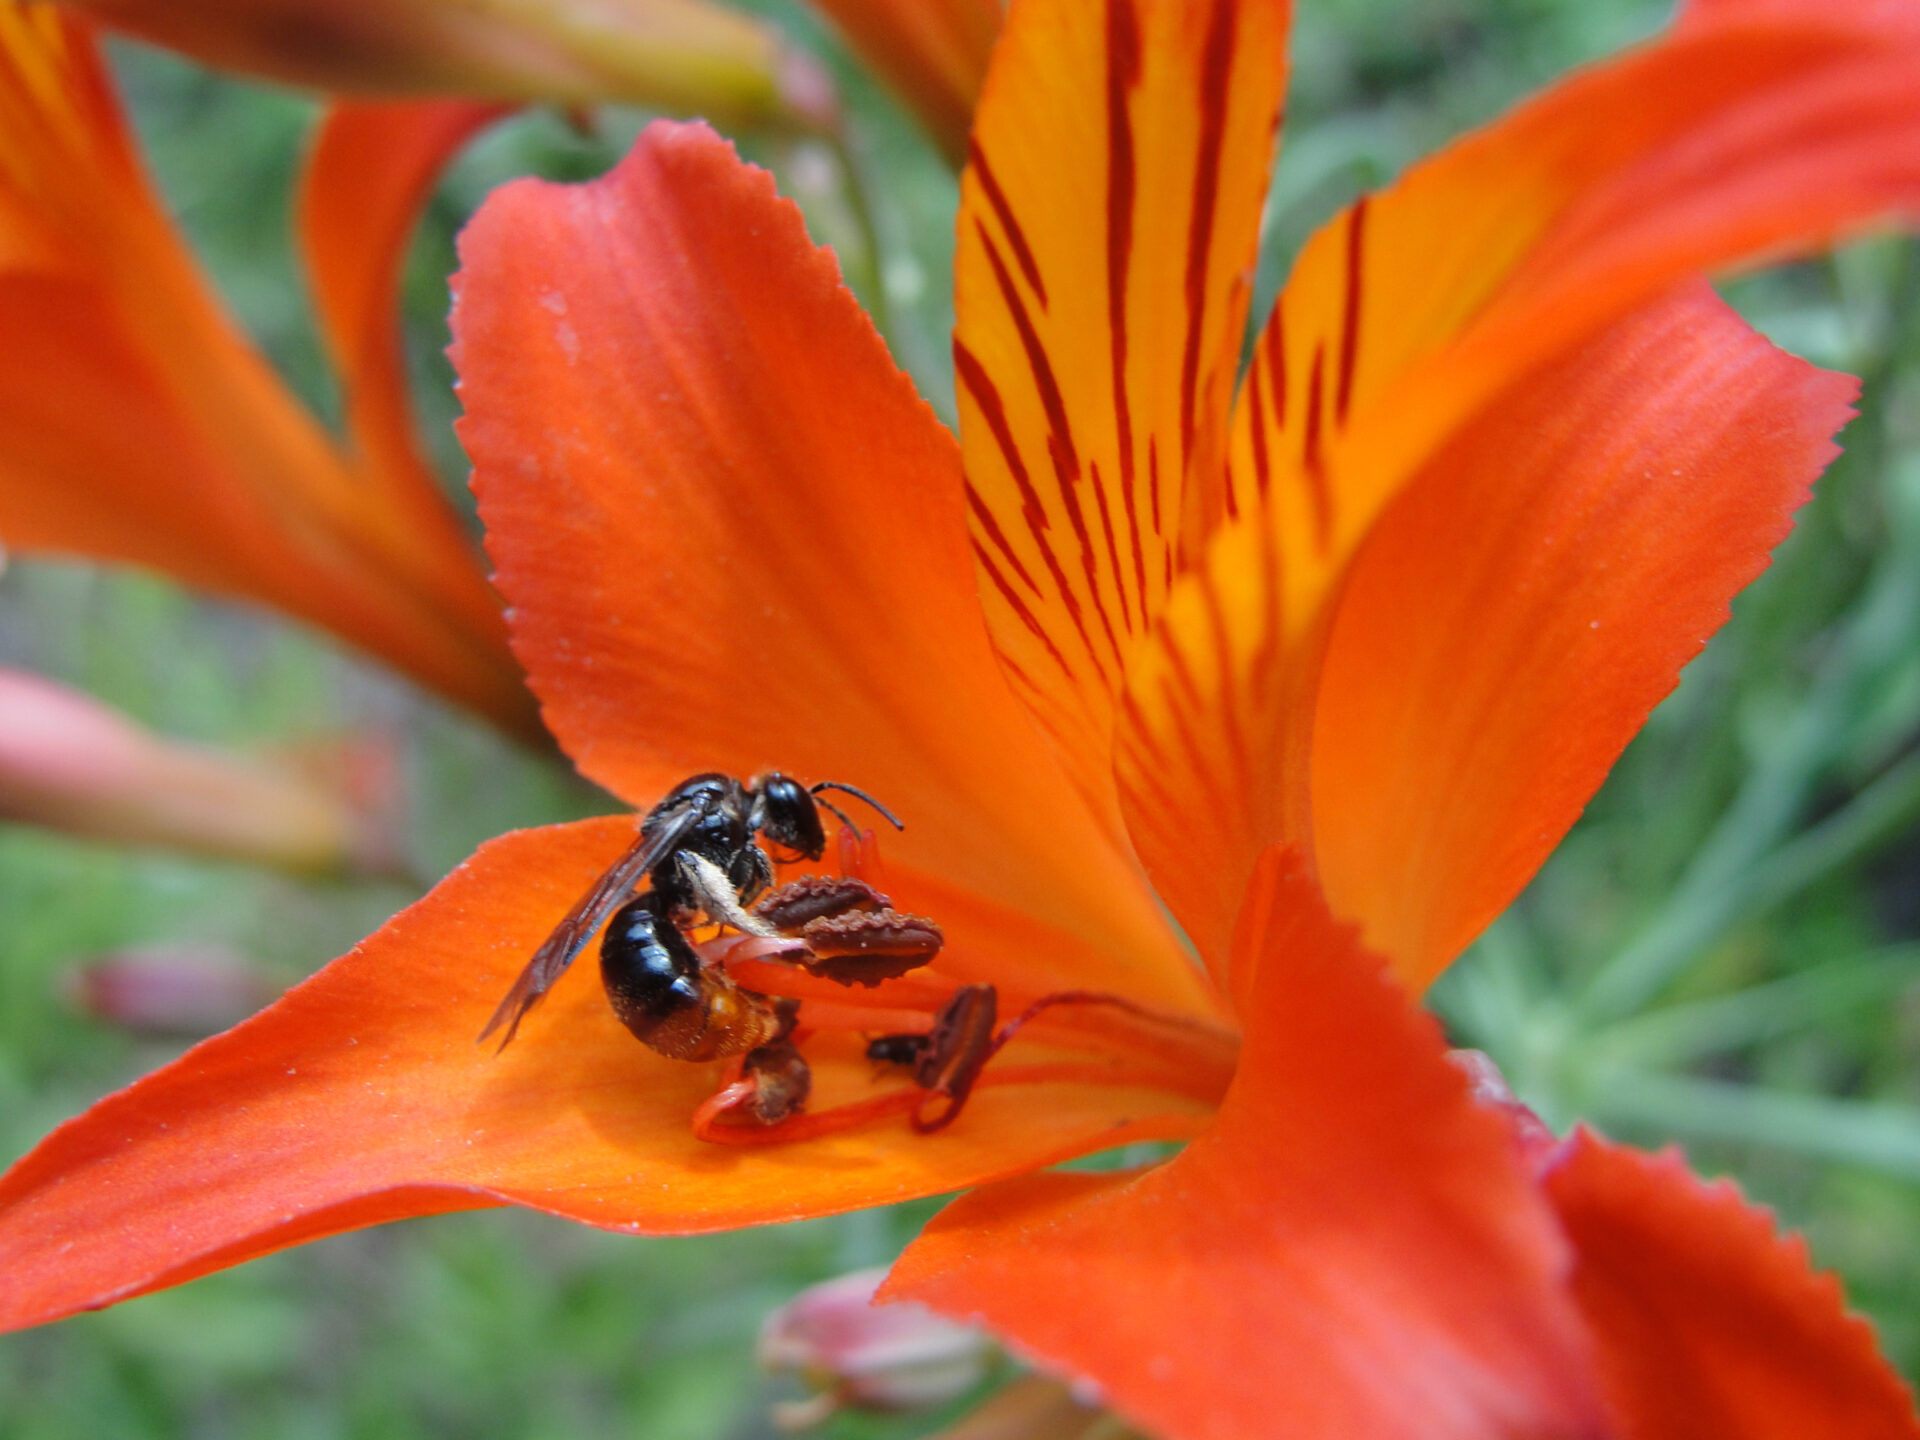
661, 992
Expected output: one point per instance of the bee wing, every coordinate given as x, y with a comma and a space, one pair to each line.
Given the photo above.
588, 914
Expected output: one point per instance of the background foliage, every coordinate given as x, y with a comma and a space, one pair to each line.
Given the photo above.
1726, 953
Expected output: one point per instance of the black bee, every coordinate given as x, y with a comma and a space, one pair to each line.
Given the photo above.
699, 851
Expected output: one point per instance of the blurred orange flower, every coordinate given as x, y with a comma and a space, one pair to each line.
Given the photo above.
137, 424
1354, 637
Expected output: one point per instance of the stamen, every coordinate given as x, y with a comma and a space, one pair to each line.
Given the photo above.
859, 855
951, 1059
710, 1126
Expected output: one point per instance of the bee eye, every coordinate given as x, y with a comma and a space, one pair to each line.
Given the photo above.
790, 821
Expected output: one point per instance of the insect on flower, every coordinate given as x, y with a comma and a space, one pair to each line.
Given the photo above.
700, 855
1297, 674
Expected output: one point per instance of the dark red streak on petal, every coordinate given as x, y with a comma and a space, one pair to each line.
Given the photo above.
1018, 606
1215, 64
1150, 780
1123, 73
1182, 707
1139, 553
1113, 554
1276, 348
1060, 439
1225, 705
980, 385
1009, 223
991, 525
1262, 478
1311, 459
1264, 664
1350, 318
1066, 461
1153, 481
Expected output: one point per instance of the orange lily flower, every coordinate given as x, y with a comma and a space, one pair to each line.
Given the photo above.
1357, 644
137, 424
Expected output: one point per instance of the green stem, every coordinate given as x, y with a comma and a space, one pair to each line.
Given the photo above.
1716, 894
1879, 1137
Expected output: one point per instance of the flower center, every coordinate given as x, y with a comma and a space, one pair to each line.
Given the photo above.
945, 1040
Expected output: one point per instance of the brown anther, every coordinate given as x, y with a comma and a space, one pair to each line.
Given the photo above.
781, 1080
864, 947
813, 897
959, 1045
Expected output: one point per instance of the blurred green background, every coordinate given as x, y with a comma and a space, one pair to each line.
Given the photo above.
1726, 953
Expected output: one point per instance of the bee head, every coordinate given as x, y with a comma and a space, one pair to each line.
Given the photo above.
785, 815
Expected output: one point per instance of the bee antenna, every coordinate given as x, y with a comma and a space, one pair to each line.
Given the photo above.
858, 794
845, 819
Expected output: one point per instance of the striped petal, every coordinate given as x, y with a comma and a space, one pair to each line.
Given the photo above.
367, 1100
1108, 219
1706, 1320
1422, 307
1352, 1249
734, 537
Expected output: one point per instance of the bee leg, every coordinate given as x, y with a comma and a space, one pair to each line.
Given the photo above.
713, 892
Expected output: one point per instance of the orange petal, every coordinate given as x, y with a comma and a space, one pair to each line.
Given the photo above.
733, 536
1108, 220
371, 169
362, 1097
933, 52
210, 469
688, 56
1416, 309
1531, 598
1707, 1320
1353, 1249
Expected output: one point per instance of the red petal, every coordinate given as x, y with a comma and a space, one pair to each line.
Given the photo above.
1515, 616
362, 1097
1353, 1249
733, 535
1708, 1321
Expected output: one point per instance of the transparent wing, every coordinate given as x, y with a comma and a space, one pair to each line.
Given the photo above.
589, 913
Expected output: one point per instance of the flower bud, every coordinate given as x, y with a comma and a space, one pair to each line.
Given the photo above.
72, 764
875, 1357
169, 990
682, 56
